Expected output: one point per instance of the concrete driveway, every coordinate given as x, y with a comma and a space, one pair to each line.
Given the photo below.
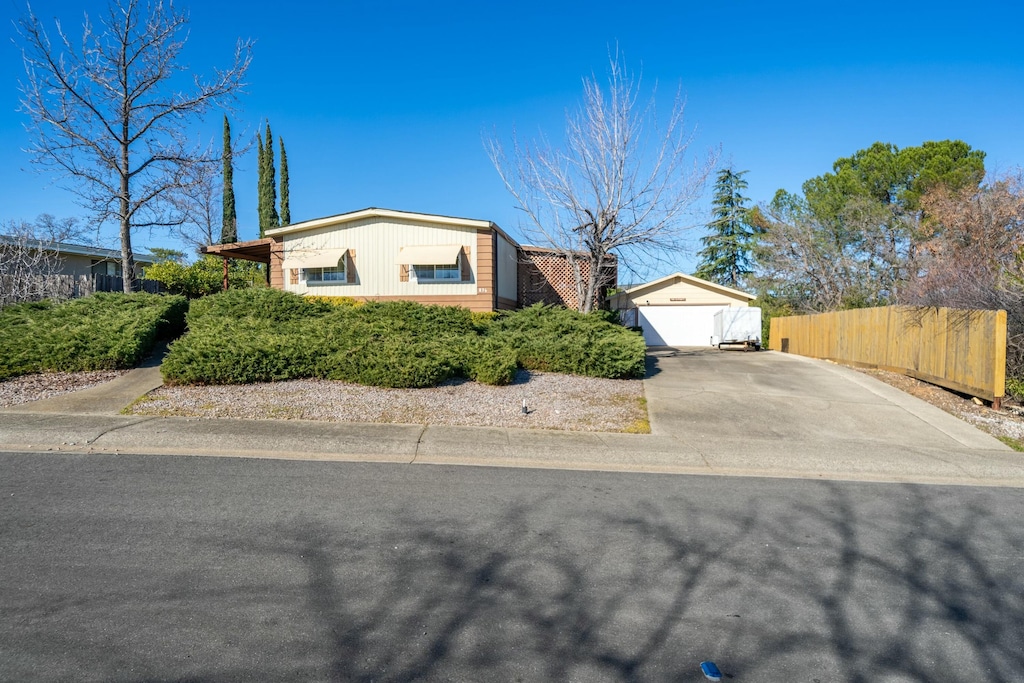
770, 401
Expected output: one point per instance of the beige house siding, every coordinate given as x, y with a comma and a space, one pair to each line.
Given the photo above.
376, 242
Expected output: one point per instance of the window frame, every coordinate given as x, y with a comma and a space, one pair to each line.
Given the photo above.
453, 267
339, 270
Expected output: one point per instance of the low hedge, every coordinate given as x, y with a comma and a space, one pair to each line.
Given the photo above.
261, 335
553, 339
105, 331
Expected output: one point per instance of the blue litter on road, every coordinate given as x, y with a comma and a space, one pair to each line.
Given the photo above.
710, 671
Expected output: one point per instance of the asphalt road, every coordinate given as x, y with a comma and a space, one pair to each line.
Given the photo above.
163, 568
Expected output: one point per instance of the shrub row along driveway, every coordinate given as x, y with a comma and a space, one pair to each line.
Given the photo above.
788, 409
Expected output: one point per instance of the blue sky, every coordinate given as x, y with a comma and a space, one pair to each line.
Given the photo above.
385, 103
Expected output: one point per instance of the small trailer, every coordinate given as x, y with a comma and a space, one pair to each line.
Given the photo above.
737, 326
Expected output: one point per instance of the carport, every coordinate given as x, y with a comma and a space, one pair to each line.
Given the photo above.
676, 310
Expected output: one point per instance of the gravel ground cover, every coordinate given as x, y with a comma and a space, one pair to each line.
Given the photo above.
553, 401
46, 384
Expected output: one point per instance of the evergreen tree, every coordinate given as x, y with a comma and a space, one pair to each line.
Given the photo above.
286, 212
229, 226
261, 195
269, 219
725, 258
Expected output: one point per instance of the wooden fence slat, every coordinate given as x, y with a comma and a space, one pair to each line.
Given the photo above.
964, 350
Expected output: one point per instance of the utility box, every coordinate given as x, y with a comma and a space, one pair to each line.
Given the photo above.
738, 326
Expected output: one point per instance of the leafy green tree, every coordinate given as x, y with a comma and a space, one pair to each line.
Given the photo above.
286, 212
725, 258
894, 177
856, 236
229, 227
205, 276
163, 255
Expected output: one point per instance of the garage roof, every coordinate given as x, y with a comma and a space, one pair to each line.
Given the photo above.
676, 277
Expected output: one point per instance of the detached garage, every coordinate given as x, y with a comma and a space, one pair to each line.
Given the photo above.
677, 310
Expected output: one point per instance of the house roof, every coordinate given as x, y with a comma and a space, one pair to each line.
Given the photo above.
674, 277
374, 212
77, 249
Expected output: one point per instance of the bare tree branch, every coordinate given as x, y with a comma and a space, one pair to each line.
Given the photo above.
618, 188
30, 255
110, 114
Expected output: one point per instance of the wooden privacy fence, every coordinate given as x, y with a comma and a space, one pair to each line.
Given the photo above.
963, 350
18, 288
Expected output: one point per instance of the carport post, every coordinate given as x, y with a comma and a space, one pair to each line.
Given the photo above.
225, 274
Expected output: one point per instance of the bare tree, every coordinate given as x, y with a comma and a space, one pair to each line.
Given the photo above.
200, 199
110, 112
973, 257
618, 187
814, 265
30, 256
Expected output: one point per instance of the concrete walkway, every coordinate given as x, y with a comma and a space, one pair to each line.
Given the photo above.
109, 398
712, 412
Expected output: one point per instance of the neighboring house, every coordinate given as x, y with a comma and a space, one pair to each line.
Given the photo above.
381, 254
77, 259
677, 310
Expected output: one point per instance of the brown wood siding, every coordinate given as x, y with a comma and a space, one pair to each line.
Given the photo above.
486, 285
276, 275
465, 268
350, 266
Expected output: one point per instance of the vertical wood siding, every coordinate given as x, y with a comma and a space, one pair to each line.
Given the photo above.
377, 241
964, 350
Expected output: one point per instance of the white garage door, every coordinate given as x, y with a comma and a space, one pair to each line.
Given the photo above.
678, 325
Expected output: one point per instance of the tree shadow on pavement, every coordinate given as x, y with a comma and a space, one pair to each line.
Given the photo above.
846, 582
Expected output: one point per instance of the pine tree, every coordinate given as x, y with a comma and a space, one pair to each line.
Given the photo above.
725, 258
229, 226
286, 212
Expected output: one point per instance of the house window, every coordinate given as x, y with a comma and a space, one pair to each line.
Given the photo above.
438, 273
105, 267
316, 276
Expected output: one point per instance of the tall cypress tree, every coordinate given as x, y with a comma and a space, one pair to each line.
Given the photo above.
229, 226
269, 182
725, 258
261, 195
286, 212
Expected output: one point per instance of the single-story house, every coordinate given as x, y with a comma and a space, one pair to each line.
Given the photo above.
76, 259
676, 310
383, 254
